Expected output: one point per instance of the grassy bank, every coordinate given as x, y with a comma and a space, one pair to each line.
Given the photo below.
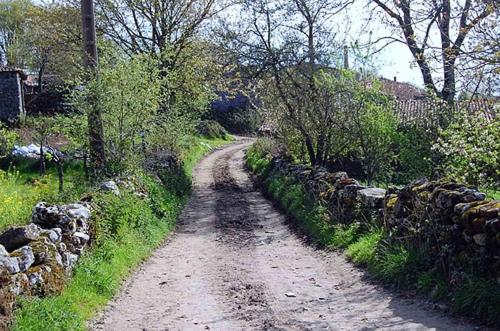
21, 188
367, 244
127, 230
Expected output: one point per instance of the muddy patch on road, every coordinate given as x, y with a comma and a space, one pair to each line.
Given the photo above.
234, 220
237, 224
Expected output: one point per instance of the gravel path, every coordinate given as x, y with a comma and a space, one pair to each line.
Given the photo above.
233, 264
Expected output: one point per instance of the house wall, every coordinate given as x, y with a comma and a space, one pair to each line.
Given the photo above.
11, 97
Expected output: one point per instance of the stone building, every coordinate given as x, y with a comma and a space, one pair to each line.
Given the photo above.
11, 93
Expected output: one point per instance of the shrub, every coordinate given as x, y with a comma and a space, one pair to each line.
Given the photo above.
211, 129
396, 263
479, 297
470, 150
432, 283
7, 140
414, 153
129, 100
240, 119
344, 235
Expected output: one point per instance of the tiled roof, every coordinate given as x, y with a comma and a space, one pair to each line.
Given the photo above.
402, 91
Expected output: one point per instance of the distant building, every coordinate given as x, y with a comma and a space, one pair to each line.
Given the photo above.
11, 93
402, 91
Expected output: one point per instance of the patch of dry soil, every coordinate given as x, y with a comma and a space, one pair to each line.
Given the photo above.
234, 264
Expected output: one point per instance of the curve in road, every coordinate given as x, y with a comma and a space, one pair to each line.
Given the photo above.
234, 264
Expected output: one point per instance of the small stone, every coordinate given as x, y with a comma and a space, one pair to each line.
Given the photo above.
83, 236
52, 235
69, 260
35, 278
25, 257
10, 263
290, 295
19, 284
3, 251
78, 211
110, 186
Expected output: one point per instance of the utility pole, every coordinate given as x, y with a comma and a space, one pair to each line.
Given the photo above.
94, 116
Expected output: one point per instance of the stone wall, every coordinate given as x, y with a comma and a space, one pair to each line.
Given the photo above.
456, 226
35, 259
11, 105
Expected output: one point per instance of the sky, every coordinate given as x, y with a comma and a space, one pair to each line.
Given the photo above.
393, 61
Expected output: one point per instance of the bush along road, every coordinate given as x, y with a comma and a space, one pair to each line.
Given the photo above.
234, 263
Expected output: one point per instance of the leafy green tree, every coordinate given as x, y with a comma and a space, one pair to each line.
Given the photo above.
128, 91
12, 25
470, 150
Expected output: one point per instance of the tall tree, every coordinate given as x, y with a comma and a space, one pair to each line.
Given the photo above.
155, 26
417, 22
12, 20
94, 115
50, 41
290, 43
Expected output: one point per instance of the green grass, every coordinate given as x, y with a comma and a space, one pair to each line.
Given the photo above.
21, 188
478, 297
362, 252
344, 235
128, 230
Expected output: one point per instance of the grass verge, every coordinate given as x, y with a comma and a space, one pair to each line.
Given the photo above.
127, 230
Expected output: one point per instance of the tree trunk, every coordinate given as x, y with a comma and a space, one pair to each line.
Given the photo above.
42, 160
94, 117
60, 173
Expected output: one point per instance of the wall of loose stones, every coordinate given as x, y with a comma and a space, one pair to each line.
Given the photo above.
456, 227
35, 259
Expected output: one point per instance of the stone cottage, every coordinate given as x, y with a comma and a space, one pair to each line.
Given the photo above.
11, 93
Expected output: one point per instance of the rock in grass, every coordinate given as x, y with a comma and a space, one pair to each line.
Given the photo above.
110, 186
18, 237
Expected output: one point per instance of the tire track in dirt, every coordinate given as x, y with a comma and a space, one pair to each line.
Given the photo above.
234, 264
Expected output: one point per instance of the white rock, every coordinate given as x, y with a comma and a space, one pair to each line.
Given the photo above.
83, 236
10, 263
78, 211
372, 197
3, 251
18, 283
110, 186
26, 257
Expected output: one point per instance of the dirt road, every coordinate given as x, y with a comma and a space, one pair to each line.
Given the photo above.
234, 264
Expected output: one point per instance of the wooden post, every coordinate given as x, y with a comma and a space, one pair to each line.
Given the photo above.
94, 117
346, 57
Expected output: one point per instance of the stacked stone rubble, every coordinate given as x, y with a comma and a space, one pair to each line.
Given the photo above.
34, 259
456, 227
